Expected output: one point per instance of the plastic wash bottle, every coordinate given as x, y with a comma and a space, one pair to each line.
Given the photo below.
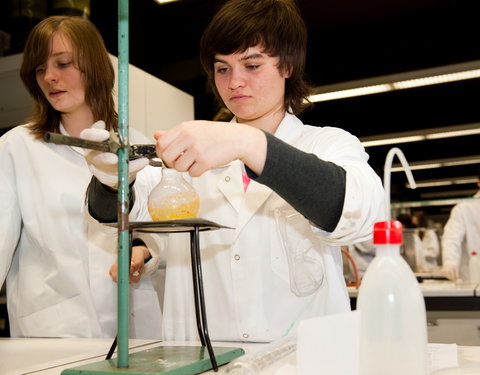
393, 324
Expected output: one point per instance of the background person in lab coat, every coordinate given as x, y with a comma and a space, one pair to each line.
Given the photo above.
55, 263
461, 236
429, 243
421, 246
311, 188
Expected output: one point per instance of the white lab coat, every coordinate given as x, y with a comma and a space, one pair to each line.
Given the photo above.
427, 250
253, 292
54, 260
461, 235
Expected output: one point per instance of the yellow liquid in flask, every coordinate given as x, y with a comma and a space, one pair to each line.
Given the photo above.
182, 205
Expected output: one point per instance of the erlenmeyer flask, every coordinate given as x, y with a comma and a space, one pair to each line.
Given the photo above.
173, 198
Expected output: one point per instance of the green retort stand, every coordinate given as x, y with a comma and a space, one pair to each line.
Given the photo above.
162, 360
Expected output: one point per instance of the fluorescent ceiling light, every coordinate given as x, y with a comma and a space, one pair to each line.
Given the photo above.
164, 1
393, 140
450, 193
421, 135
446, 182
453, 133
401, 81
439, 163
349, 93
435, 80
428, 203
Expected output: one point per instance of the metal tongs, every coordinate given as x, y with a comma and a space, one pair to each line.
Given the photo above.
135, 151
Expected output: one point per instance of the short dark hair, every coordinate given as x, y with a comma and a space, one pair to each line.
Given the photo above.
90, 57
276, 25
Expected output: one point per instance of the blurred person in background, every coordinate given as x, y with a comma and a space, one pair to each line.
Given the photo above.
461, 236
429, 246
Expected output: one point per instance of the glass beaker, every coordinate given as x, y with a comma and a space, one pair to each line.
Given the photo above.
173, 198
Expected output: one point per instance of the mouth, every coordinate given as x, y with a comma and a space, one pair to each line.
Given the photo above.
237, 98
55, 93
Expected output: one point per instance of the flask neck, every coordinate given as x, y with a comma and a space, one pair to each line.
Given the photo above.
170, 173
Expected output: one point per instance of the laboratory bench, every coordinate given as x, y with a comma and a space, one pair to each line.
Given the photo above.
441, 295
24, 356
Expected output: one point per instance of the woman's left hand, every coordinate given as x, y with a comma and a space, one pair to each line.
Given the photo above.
139, 254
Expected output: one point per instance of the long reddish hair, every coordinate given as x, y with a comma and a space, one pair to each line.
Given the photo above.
90, 56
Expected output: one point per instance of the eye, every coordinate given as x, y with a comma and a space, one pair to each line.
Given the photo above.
40, 70
64, 64
221, 70
252, 66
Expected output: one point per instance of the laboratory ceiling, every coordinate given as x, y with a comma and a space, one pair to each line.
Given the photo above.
348, 40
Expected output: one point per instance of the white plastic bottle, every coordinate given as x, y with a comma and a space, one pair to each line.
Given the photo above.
393, 323
474, 267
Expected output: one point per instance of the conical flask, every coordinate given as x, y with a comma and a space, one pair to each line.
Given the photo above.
173, 198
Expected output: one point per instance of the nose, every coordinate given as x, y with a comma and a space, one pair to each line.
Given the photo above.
50, 74
237, 79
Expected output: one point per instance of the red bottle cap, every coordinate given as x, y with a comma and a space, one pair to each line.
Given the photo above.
387, 232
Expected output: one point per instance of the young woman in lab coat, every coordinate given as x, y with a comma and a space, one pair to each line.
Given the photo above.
311, 188
56, 263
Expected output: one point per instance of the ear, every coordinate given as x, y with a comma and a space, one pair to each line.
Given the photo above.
287, 72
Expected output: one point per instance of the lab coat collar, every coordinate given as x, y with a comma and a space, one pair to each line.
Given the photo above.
78, 150
230, 184
247, 203
289, 129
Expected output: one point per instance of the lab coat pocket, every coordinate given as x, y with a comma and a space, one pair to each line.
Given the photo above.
302, 251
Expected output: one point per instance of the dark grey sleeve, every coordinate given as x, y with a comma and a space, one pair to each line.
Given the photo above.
314, 187
102, 201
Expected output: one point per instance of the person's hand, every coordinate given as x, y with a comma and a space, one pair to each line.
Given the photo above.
139, 254
104, 165
197, 146
450, 271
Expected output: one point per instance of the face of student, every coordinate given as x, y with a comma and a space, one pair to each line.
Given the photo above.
60, 81
250, 84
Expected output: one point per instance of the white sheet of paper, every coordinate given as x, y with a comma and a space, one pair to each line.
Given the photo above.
329, 345
441, 356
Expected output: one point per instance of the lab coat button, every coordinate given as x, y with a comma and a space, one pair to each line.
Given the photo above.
245, 335
227, 178
237, 257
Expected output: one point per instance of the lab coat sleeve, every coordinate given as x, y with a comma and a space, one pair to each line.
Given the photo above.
102, 200
10, 214
102, 208
364, 202
154, 243
453, 236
